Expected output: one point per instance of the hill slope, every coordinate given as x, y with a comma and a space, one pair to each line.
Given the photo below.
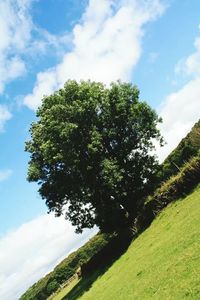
187, 148
162, 263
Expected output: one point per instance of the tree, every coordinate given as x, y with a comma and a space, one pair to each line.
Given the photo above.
52, 287
91, 152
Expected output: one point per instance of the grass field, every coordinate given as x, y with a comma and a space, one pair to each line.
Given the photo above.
162, 263
63, 292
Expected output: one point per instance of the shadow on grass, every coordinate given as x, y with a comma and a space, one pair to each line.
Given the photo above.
98, 265
84, 285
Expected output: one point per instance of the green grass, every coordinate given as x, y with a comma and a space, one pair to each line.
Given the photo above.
162, 263
65, 291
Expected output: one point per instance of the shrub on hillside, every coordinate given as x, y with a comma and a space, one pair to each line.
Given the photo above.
175, 187
186, 149
52, 286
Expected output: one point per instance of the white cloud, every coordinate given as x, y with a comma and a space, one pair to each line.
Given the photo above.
15, 32
181, 109
21, 38
32, 250
106, 45
5, 174
5, 115
193, 61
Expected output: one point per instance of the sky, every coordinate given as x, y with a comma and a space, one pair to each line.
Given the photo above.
154, 44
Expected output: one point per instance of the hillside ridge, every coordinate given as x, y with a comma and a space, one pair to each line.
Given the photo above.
154, 267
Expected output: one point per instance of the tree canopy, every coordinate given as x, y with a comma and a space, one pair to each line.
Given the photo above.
91, 153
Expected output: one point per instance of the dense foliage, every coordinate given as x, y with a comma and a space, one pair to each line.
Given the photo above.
187, 148
91, 151
63, 271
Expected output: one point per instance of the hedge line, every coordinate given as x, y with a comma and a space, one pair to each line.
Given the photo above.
174, 188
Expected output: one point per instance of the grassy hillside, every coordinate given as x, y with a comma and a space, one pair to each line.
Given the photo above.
162, 263
177, 186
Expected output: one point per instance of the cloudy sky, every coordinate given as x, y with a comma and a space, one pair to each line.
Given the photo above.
154, 44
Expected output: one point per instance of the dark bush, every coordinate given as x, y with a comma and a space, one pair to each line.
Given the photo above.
186, 149
52, 286
174, 188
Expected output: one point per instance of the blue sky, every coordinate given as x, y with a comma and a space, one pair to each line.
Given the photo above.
153, 44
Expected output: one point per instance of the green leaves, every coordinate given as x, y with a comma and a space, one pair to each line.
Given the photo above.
90, 149
111, 173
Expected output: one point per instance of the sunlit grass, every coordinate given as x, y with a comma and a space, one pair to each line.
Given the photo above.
162, 263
